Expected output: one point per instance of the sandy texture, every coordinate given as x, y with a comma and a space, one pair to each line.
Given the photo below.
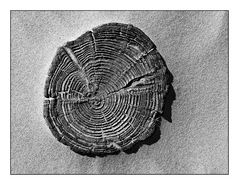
194, 45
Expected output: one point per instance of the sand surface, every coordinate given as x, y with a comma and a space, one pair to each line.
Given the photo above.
194, 45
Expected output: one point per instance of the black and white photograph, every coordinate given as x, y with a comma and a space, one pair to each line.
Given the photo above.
119, 92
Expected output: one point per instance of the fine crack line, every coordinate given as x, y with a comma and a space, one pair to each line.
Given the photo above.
93, 37
94, 45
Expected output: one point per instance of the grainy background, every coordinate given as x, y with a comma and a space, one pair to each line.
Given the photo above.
194, 45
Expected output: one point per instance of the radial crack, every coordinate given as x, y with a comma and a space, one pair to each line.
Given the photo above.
77, 63
134, 82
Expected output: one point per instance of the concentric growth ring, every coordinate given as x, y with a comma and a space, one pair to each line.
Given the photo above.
104, 89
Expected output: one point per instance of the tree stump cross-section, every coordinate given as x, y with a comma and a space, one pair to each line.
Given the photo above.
104, 89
